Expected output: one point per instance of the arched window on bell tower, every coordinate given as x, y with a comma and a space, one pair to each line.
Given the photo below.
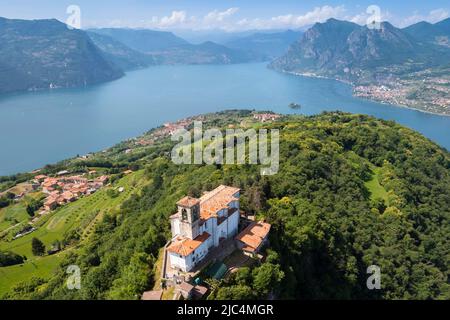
189, 213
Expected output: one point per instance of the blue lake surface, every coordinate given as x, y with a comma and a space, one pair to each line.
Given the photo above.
45, 127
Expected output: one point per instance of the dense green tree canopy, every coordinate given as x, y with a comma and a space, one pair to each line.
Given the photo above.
351, 192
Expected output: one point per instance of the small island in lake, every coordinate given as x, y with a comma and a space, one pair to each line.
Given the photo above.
295, 106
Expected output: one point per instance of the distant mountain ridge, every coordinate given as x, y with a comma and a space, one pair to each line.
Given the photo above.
353, 52
42, 54
205, 53
145, 41
438, 33
267, 46
121, 55
167, 48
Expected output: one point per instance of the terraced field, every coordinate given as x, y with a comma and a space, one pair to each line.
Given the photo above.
81, 215
16, 213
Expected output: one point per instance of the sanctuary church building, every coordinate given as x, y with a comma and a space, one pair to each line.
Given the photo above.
201, 224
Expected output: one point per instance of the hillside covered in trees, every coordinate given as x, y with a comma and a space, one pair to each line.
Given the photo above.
352, 191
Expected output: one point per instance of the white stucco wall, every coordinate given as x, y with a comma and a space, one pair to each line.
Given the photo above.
199, 253
222, 230
175, 227
188, 262
177, 261
233, 223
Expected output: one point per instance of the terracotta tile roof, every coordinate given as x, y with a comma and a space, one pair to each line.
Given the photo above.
188, 201
216, 200
185, 246
254, 235
199, 291
50, 201
50, 182
101, 178
186, 287
152, 295
68, 195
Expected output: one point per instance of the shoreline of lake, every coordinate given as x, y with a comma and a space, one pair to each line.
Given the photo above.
315, 76
60, 124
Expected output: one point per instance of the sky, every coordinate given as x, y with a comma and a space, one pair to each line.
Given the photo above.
225, 15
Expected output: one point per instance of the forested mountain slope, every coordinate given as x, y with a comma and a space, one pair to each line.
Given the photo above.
352, 191
42, 54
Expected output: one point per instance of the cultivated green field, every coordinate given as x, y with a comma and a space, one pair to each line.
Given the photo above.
16, 214
13, 215
81, 215
38, 267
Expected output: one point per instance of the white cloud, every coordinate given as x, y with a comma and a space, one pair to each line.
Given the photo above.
175, 19
318, 14
217, 19
219, 16
227, 19
363, 17
181, 20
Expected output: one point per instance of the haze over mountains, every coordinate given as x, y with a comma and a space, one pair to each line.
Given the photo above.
266, 45
43, 54
167, 48
145, 41
121, 55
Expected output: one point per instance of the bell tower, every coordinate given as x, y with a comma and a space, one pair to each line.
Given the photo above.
189, 210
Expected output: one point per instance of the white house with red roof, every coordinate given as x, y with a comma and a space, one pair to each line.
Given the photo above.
253, 237
201, 224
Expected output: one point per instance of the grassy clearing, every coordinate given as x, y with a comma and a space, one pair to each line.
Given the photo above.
376, 189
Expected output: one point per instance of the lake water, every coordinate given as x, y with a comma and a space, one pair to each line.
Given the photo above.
44, 127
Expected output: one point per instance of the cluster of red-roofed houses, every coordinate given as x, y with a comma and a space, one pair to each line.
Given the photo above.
264, 117
65, 189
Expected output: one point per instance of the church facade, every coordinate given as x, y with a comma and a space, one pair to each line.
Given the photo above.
201, 224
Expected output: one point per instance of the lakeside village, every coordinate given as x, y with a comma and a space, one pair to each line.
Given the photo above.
60, 190
170, 128
211, 237
434, 93
63, 188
